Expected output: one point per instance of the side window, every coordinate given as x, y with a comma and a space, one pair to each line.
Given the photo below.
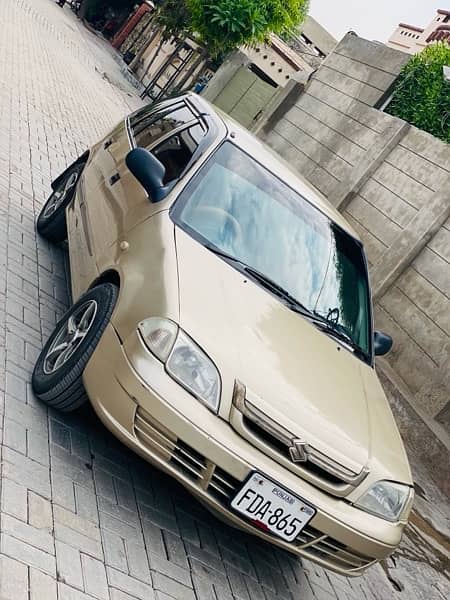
149, 126
176, 152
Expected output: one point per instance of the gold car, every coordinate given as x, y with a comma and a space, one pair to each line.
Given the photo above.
222, 329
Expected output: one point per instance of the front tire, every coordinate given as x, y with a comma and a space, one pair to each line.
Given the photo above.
51, 222
57, 375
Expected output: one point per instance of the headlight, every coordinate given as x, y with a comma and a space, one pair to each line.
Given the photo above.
190, 366
386, 499
185, 361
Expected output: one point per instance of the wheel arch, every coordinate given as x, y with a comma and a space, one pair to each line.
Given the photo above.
83, 159
109, 276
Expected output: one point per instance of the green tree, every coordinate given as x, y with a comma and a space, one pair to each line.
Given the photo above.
174, 18
422, 95
222, 25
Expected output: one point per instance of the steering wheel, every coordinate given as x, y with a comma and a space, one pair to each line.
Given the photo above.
217, 214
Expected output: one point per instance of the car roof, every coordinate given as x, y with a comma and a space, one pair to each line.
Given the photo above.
272, 161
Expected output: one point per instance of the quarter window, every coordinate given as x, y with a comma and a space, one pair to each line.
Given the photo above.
149, 126
177, 151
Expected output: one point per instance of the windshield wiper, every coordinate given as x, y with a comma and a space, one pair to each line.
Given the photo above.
333, 329
225, 255
269, 284
336, 331
280, 292
317, 319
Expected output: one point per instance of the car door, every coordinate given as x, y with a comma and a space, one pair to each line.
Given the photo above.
83, 266
87, 229
119, 202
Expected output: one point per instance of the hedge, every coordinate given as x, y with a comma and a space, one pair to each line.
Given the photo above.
422, 95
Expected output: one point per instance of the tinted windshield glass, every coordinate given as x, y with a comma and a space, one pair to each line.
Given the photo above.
242, 209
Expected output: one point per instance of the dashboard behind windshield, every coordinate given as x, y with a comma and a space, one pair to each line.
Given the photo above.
242, 209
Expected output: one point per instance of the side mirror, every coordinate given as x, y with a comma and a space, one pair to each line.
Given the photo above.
149, 171
382, 343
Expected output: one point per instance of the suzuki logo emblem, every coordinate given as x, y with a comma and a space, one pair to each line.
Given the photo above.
299, 451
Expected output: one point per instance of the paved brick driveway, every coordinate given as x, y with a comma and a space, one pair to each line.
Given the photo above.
81, 516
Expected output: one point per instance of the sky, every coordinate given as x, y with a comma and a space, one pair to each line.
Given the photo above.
373, 19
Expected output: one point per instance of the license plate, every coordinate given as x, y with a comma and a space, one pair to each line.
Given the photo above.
272, 508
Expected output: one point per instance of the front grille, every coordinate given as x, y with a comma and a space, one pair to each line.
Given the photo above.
283, 449
218, 483
188, 461
318, 468
315, 544
222, 487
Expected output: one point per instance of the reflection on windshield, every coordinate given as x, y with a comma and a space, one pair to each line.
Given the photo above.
242, 209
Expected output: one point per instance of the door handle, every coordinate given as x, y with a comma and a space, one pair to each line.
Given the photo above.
114, 179
107, 144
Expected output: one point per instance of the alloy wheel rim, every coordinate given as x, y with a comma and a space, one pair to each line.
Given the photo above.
58, 196
70, 336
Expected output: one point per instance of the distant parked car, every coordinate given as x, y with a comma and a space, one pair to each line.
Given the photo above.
222, 329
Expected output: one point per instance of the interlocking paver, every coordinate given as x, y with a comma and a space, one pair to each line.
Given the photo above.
40, 512
94, 573
176, 549
21, 469
68, 564
37, 447
40, 538
319, 580
42, 586
13, 579
116, 594
172, 588
86, 503
28, 554
238, 586
66, 592
166, 567
82, 517
137, 560
14, 499
115, 552
77, 540
130, 585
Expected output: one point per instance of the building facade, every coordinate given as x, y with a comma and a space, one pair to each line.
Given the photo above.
312, 42
279, 60
412, 39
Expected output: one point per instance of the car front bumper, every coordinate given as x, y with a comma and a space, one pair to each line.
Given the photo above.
148, 411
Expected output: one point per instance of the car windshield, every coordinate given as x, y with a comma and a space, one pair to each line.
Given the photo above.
238, 207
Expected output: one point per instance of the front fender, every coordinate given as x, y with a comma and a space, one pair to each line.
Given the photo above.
146, 264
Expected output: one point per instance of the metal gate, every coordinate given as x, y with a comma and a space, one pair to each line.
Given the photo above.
176, 73
245, 96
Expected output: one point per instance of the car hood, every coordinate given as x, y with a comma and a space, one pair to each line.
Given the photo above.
301, 378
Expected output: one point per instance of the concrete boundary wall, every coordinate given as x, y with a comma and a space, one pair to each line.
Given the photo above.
392, 183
